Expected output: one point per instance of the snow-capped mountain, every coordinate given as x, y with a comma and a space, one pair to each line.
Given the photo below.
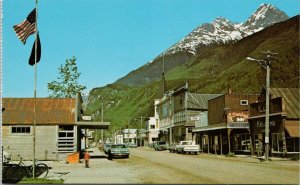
222, 30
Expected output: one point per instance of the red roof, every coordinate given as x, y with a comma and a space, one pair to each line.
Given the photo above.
49, 111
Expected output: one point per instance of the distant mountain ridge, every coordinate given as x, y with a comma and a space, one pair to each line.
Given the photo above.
218, 32
209, 72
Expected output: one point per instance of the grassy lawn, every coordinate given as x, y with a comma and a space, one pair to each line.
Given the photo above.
40, 181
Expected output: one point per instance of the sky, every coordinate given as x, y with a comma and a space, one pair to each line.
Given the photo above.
109, 38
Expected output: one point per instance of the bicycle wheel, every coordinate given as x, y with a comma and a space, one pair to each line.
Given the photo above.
41, 170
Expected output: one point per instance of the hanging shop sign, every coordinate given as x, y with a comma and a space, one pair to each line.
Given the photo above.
261, 124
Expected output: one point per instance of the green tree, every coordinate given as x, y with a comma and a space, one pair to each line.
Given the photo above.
66, 85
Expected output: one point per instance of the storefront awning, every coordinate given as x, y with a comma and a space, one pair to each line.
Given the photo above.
210, 127
292, 127
93, 125
232, 125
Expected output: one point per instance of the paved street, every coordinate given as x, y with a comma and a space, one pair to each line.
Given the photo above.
148, 166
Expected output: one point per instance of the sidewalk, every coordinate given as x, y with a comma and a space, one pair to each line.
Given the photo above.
101, 170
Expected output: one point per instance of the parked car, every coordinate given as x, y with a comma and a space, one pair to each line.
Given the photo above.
118, 150
246, 145
131, 145
160, 145
172, 148
106, 147
187, 147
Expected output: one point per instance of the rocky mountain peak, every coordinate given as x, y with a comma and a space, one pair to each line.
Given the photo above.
264, 16
221, 20
222, 30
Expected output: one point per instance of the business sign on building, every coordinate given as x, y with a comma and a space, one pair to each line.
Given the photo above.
87, 118
195, 118
234, 117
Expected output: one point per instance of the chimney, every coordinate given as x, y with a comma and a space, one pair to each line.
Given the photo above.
229, 90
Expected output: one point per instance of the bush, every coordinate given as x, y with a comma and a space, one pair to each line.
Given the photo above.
295, 157
230, 155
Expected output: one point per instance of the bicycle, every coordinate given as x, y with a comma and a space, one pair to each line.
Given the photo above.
16, 172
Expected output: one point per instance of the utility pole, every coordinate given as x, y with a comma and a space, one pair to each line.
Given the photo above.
141, 132
266, 64
102, 122
128, 132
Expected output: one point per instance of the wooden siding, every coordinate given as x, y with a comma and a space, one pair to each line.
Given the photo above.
258, 109
46, 137
179, 102
228, 103
290, 98
216, 110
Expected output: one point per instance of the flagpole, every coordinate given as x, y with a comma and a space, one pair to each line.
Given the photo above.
35, 79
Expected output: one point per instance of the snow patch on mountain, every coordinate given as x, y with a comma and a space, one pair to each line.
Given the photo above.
222, 30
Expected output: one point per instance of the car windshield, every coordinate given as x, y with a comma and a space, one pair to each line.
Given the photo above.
162, 143
186, 143
118, 146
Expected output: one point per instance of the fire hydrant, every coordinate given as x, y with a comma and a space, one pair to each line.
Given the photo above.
86, 159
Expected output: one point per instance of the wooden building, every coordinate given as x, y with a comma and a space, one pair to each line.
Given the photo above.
179, 111
284, 121
59, 127
228, 127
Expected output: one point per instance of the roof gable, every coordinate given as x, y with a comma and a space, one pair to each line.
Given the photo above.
290, 98
199, 101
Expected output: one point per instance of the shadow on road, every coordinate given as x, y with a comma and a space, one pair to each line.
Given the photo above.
98, 157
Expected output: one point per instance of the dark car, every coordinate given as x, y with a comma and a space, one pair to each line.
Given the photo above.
160, 145
106, 147
118, 150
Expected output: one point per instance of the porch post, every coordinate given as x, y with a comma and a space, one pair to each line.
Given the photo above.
228, 135
221, 143
170, 136
252, 144
208, 144
215, 144
202, 142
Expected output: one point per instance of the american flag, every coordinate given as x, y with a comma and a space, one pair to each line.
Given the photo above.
27, 27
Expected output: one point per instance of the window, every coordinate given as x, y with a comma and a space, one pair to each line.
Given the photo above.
262, 108
277, 142
20, 129
244, 102
152, 126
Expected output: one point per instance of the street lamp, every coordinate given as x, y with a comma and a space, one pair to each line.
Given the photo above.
266, 64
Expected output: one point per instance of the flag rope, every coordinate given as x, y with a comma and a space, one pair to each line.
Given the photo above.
35, 82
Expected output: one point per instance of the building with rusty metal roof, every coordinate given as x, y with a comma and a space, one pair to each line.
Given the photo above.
59, 129
49, 111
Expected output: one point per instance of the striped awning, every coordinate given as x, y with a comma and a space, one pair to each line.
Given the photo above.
292, 127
